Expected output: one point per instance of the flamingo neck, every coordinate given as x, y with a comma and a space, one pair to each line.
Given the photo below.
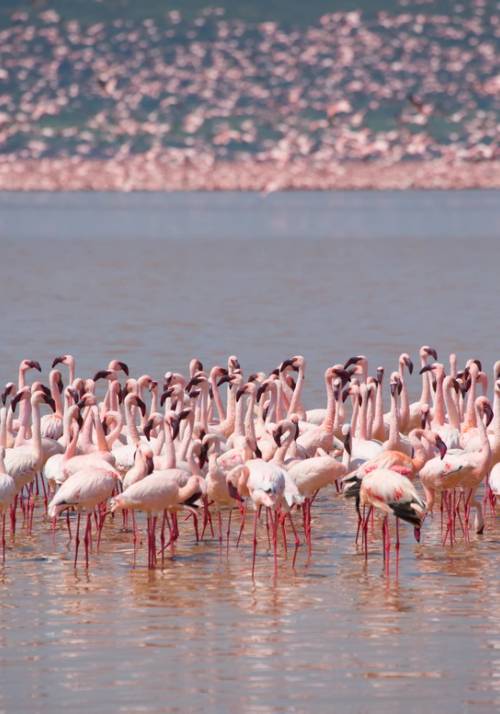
393, 441
451, 407
217, 398
296, 406
404, 402
327, 424
439, 417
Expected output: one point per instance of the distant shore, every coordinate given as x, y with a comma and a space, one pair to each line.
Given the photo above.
139, 173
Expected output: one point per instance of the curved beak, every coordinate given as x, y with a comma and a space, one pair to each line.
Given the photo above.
350, 361
427, 368
150, 465
102, 374
57, 360
489, 413
409, 364
240, 393
277, 434
225, 378
123, 367
432, 352
35, 365
141, 405
441, 447
348, 443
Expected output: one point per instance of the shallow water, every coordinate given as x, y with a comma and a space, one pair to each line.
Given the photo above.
157, 279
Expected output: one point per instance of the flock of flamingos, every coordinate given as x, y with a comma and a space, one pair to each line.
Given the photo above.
183, 450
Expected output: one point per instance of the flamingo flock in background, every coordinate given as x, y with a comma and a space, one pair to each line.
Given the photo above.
182, 447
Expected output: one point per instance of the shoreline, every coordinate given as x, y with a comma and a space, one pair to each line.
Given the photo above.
140, 173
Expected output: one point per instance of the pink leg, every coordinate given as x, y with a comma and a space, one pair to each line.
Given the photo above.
86, 539
77, 538
3, 537
228, 532
219, 524
242, 524
297, 539
255, 519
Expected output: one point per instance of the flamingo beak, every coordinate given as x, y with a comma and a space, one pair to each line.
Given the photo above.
150, 465
432, 352
123, 367
489, 413
441, 446
58, 360
278, 432
409, 364
427, 368
35, 365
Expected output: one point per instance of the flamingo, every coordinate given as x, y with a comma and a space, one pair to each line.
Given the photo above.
85, 489
7, 495
388, 492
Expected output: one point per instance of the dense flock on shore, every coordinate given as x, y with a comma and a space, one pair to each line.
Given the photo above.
158, 450
210, 92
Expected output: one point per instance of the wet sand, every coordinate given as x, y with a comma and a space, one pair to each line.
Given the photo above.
162, 173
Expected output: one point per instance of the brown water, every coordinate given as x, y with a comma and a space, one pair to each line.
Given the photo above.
155, 280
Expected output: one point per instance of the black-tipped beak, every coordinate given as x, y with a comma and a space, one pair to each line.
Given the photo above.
102, 374
14, 401
148, 428
240, 393
175, 424
441, 446
57, 360
348, 443
198, 365
409, 364
35, 365
123, 367
344, 375
104, 425
394, 388
79, 420
166, 394
277, 434
345, 394
225, 378
432, 352
350, 361
286, 363
204, 454
150, 465
141, 406
427, 368
478, 362
257, 452
260, 391
49, 401
489, 413
380, 374
193, 383
233, 492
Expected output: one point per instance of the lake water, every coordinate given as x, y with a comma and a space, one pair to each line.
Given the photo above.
157, 279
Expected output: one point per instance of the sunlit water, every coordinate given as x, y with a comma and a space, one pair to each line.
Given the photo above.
154, 280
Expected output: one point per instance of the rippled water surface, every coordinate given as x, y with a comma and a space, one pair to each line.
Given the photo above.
154, 280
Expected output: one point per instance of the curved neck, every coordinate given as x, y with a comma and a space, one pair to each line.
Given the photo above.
56, 394
217, 398
296, 406
439, 410
404, 402
71, 445
249, 419
186, 437
327, 424
280, 453
117, 428
100, 436
131, 425
378, 430
470, 411
363, 413
169, 447
393, 441
451, 406
37, 436
425, 397
419, 453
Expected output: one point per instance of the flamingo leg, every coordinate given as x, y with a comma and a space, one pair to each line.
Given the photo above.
77, 538
86, 539
228, 532
255, 519
242, 524
297, 539
3, 537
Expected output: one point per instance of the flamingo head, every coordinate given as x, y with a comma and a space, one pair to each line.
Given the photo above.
27, 364
117, 366
426, 351
405, 360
